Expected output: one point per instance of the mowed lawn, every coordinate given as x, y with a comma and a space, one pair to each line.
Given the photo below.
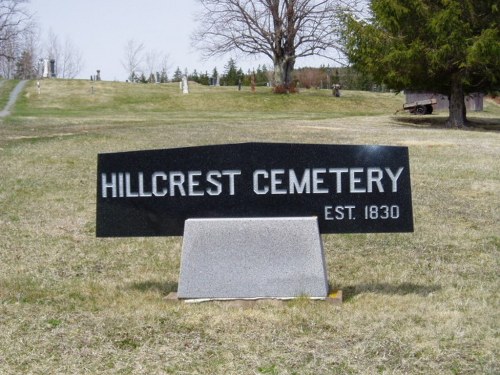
70, 303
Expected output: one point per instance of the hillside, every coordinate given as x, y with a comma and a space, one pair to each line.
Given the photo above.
85, 98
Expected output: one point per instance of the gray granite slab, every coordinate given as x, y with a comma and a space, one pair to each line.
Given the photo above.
252, 258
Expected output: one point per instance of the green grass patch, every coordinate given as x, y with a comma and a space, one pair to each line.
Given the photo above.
6, 86
72, 98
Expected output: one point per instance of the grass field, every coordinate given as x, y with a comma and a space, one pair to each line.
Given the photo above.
6, 86
419, 303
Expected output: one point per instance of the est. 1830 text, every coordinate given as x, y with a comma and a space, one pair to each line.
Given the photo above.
369, 212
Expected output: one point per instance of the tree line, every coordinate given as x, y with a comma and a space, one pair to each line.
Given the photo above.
322, 77
232, 75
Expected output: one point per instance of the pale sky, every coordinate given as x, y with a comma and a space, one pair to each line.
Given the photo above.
100, 30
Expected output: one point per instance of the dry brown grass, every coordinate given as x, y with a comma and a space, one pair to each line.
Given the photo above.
421, 303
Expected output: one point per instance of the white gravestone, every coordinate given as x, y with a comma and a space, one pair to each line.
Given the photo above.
185, 88
252, 258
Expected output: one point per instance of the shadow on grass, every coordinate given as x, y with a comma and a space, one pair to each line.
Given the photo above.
403, 289
489, 124
155, 286
348, 292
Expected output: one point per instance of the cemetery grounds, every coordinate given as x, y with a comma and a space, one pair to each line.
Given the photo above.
414, 303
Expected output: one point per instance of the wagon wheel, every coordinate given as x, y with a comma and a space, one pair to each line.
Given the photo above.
429, 109
420, 110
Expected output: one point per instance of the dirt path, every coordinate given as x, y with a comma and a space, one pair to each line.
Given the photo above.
12, 98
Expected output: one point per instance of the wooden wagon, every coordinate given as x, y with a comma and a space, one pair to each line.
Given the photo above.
420, 107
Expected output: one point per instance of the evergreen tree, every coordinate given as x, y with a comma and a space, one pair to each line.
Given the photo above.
194, 77
451, 47
204, 79
246, 78
25, 66
231, 73
214, 77
177, 75
261, 75
163, 76
240, 75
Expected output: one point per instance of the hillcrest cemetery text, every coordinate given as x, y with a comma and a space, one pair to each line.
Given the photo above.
350, 189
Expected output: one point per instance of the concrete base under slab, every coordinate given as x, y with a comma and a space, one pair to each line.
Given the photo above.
334, 298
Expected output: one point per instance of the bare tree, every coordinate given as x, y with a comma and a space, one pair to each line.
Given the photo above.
10, 49
165, 66
53, 47
68, 58
15, 25
71, 62
151, 60
283, 30
133, 58
26, 61
14, 21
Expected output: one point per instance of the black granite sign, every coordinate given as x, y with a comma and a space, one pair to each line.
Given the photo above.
351, 189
